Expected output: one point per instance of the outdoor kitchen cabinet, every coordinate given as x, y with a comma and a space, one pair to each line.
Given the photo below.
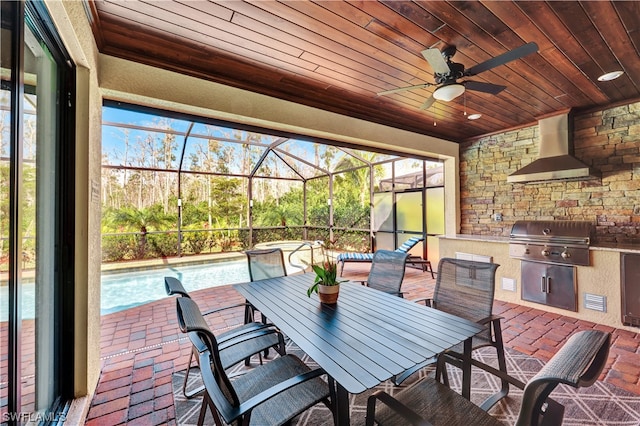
552, 285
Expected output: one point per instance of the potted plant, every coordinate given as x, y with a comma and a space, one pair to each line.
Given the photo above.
326, 283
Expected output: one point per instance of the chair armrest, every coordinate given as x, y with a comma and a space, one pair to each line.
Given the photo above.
245, 329
408, 414
490, 318
428, 301
243, 337
267, 394
223, 308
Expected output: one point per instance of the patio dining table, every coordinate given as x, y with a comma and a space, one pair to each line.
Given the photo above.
366, 338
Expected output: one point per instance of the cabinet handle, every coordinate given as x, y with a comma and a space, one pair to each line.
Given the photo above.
545, 284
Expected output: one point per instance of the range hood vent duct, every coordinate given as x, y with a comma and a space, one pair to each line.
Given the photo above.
555, 160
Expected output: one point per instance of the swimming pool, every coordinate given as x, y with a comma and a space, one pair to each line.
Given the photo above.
124, 290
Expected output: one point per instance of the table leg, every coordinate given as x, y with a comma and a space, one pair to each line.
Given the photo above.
342, 406
466, 369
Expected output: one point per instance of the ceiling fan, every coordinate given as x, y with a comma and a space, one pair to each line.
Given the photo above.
446, 73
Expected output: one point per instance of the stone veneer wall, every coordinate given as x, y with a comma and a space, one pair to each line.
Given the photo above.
608, 141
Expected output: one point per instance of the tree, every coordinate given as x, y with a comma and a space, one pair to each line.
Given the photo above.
141, 220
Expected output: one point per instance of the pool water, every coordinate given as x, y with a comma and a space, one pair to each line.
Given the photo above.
124, 290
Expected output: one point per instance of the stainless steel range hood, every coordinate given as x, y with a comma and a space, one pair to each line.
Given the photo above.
555, 160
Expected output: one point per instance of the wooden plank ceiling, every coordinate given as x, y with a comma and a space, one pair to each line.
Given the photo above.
337, 55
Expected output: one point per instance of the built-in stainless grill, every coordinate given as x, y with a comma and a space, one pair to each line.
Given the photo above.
550, 251
562, 242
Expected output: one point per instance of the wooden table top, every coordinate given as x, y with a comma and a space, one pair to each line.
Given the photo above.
366, 338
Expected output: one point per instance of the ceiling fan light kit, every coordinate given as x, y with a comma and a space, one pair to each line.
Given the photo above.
448, 92
446, 73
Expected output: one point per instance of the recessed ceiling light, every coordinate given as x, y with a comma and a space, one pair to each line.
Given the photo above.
610, 76
474, 116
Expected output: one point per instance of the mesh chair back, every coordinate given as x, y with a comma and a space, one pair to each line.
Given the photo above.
219, 388
265, 263
578, 363
387, 271
465, 288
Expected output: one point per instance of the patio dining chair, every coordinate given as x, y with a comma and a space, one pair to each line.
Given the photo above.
578, 363
264, 264
387, 271
240, 343
269, 394
466, 289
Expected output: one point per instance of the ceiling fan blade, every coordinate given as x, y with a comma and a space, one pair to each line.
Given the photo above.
428, 102
436, 60
404, 89
480, 86
512, 55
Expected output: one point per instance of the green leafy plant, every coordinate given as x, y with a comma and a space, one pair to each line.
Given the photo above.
327, 274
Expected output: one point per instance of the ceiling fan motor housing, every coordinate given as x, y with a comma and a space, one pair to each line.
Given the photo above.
456, 71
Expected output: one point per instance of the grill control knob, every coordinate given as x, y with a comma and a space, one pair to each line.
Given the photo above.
545, 252
565, 254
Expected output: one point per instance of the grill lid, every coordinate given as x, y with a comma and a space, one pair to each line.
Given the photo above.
560, 232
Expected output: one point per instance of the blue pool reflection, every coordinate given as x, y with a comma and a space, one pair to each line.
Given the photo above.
123, 290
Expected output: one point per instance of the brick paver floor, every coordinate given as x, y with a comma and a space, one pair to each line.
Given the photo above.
141, 348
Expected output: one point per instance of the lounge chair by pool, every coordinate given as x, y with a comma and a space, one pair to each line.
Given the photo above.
343, 258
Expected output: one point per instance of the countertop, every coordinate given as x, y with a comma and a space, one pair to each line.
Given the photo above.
620, 247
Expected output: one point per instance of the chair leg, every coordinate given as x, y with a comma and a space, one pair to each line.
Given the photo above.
430, 269
502, 367
194, 392
266, 351
441, 371
206, 402
249, 316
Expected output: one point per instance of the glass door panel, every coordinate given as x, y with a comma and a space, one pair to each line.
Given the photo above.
30, 236
385, 241
383, 212
435, 211
409, 212
39, 206
6, 137
410, 220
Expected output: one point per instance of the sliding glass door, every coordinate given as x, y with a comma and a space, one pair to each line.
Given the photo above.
36, 195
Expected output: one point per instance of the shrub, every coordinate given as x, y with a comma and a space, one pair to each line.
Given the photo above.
162, 245
116, 248
196, 241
